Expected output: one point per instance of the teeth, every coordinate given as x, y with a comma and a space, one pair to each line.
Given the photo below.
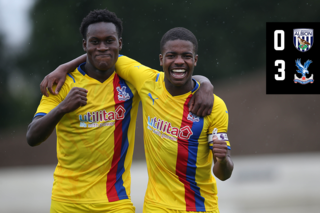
178, 70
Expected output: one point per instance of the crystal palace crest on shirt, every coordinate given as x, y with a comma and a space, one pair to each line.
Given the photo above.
122, 94
303, 39
192, 117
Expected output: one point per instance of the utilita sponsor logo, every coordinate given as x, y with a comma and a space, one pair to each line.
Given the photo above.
103, 115
158, 126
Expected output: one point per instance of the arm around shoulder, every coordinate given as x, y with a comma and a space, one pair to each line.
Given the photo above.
201, 102
58, 76
133, 71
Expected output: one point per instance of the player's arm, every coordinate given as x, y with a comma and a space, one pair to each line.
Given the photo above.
42, 126
218, 140
201, 102
58, 76
124, 69
223, 165
134, 72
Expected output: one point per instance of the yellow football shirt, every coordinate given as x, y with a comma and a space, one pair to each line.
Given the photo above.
178, 156
94, 142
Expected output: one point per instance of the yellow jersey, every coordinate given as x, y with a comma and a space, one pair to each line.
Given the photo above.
179, 159
94, 142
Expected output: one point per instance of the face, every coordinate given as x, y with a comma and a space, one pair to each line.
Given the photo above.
102, 45
178, 60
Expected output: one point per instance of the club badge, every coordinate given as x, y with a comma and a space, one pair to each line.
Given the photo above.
303, 39
122, 94
192, 117
303, 70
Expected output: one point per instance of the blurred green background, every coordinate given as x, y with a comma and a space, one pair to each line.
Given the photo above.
231, 38
232, 53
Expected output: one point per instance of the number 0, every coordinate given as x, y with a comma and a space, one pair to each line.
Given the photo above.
276, 43
280, 77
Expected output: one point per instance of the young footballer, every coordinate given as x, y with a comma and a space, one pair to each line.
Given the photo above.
179, 145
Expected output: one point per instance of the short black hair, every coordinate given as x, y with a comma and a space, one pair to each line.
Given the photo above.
103, 15
179, 33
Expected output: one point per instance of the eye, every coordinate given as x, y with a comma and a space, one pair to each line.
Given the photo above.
94, 41
110, 40
170, 56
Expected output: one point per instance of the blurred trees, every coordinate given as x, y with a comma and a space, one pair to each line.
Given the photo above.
4, 97
231, 36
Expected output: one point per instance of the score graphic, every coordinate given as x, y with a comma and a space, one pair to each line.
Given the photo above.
291, 65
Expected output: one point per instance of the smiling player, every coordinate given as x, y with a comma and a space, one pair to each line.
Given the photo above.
94, 115
179, 159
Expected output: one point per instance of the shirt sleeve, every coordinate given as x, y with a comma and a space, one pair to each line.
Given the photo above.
220, 120
49, 103
134, 72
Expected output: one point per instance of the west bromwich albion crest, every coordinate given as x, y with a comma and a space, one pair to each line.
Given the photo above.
303, 39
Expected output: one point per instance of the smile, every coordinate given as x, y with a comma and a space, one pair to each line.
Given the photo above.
178, 73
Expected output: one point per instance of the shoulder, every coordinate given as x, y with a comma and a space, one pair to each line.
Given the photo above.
219, 117
72, 80
155, 80
219, 107
76, 76
218, 102
157, 77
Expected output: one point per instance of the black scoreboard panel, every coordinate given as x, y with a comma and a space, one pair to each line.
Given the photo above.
293, 64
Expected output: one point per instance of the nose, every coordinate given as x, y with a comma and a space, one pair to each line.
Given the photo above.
102, 47
179, 60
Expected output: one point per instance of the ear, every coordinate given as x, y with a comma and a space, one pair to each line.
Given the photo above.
195, 60
120, 43
84, 44
160, 58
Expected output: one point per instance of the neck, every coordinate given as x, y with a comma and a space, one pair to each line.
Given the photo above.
179, 90
100, 75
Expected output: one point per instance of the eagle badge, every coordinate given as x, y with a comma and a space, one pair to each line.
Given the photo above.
303, 70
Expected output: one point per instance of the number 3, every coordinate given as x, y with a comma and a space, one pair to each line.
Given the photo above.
281, 70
